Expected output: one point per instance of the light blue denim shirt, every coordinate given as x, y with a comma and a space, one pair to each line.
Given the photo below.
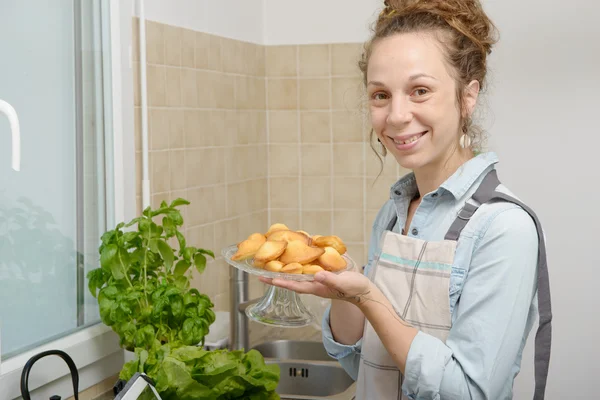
492, 290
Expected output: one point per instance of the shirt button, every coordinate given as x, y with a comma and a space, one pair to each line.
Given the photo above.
415, 231
398, 193
434, 195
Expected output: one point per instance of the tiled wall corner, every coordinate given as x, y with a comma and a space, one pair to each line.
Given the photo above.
207, 140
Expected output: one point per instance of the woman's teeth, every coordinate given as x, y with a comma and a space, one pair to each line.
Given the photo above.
410, 140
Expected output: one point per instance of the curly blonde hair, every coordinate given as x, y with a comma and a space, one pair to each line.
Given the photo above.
464, 30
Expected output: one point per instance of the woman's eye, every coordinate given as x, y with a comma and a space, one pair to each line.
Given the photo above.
421, 92
379, 96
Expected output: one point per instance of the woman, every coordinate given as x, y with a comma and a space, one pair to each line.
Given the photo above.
455, 261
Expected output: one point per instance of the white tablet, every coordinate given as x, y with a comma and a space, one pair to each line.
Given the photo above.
139, 387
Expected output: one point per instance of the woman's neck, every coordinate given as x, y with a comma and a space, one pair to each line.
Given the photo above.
431, 176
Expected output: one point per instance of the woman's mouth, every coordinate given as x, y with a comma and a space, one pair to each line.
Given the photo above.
407, 142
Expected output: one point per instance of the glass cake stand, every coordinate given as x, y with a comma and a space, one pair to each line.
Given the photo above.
278, 306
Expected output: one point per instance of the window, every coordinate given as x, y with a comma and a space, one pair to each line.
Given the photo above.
56, 74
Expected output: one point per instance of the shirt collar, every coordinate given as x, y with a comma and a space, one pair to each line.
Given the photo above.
457, 184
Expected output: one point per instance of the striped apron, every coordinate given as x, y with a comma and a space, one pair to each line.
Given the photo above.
417, 285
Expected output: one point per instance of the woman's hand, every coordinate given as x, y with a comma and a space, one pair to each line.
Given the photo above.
349, 286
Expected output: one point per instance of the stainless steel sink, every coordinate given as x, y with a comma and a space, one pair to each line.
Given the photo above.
307, 371
294, 350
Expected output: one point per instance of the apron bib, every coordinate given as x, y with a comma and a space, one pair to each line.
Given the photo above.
414, 275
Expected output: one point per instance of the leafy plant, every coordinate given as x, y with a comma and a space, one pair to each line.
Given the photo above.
144, 285
144, 295
191, 373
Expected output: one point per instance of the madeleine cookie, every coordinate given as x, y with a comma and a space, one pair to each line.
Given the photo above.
247, 249
311, 269
331, 260
292, 268
298, 252
288, 236
269, 251
274, 266
330, 241
275, 228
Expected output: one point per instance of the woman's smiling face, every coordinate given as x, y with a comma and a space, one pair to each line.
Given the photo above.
413, 100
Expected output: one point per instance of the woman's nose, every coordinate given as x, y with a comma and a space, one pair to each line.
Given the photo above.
400, 112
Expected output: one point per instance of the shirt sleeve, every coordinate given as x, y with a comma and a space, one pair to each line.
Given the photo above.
491, 319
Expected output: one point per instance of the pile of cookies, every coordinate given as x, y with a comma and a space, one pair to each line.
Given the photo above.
292, 252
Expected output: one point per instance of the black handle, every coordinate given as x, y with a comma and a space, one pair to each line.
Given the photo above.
32, 360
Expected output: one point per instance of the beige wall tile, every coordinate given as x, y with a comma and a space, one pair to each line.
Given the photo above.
348, 93
157, 86
189, 88
159, 164
345, 57
136, 83
232, 57
238, 160
135, 39
173, 48
281, 61
314, 60
195, 123
357, 253
348, 159
282, 94
348, 193
246, 197
137, 127
315, 126
316, 193
208, 204
155, 43
215, 61
314, 94
283, 126
205, 166
227, 233
316, 159
261, 64
159, 128
173, 87
254, 222
258, 166
378, 191
178, 169
288, 217
390, 166
370, 216
284, 193
138, 173
250, 93
317, 222
158, 198
283, 160
201, 50
202, 236
251, 127
222, 128
176, 133
188, 48
224, 91
348, 225
347, 126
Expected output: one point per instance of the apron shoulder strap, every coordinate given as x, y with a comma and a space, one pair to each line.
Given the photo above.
543, 338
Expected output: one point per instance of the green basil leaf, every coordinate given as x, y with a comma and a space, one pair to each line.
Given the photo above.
208, 252
153, 244
181, 240
108, 256
181, 267
166, 252
188, 253
179, 202
200, 262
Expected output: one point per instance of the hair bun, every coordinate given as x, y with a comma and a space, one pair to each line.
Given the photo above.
465, 16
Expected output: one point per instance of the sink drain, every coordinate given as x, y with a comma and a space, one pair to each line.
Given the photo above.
299, 372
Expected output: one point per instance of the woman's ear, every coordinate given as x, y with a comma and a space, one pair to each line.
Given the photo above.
471, 92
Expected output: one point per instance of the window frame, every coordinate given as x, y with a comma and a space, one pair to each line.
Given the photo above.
95, 349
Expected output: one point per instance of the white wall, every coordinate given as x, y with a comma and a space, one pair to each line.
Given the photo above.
235, 19
319, 21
